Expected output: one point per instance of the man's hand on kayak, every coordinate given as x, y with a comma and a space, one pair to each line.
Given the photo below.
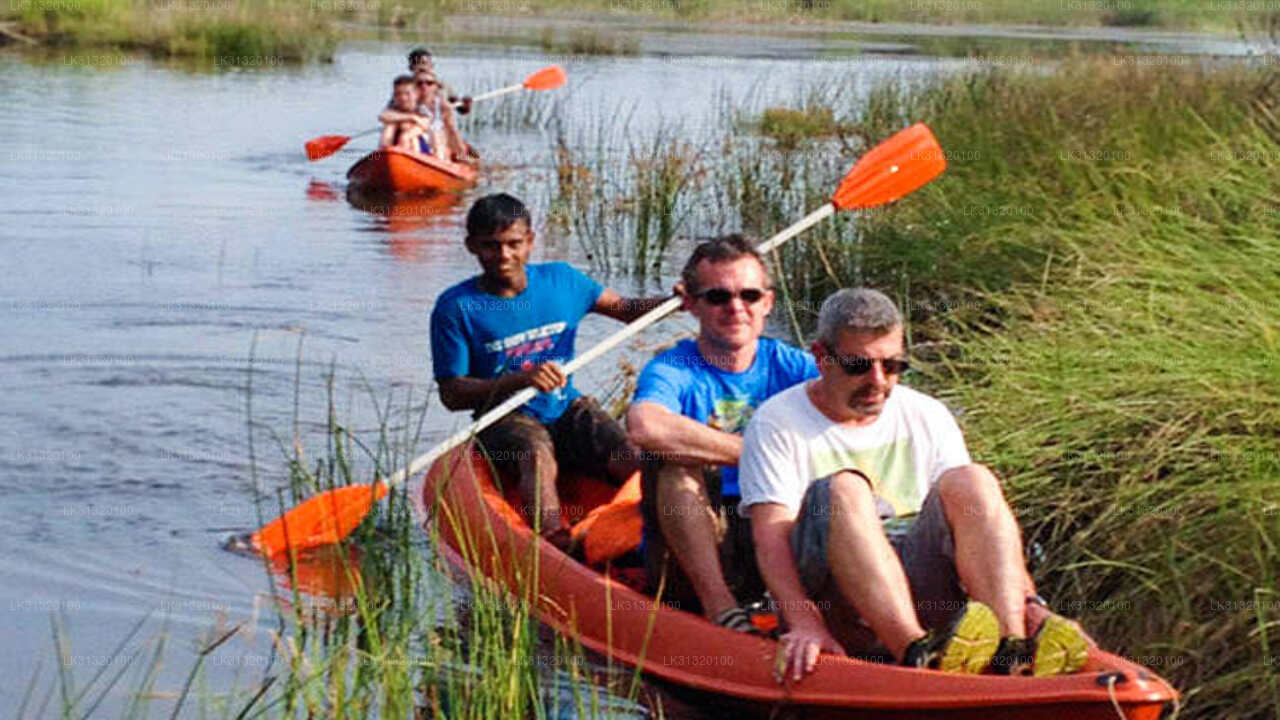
799, 648
546, 377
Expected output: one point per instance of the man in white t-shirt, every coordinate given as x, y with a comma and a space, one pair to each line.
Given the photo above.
869, 518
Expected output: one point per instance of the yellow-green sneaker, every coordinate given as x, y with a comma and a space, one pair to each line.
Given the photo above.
1060, 648
966, 646
1057, 648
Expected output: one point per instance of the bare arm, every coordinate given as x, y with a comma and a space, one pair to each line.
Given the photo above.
468, 393
457, 148
807, 633
611, 304
680, 439
395, 116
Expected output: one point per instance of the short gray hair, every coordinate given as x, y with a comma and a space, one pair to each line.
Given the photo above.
856, 310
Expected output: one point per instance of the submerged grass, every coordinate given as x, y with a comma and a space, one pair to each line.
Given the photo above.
380, 625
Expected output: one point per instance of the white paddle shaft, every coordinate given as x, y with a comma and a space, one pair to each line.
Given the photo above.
496, 93
425, 460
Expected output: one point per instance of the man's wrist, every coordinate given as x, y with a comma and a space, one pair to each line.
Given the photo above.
1035, 599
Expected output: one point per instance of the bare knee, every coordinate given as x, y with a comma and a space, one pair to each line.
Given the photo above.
851, 493
681, 494
970, 491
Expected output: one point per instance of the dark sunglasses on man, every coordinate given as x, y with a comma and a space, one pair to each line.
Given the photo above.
856, 365
723, 296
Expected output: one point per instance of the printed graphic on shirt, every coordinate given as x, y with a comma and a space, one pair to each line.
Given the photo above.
730, 414
891, 468
523, 343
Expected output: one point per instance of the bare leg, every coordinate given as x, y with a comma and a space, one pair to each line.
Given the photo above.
691, 530
989, 556
388, 136
409, 134
624, 463
865, 567
538, 490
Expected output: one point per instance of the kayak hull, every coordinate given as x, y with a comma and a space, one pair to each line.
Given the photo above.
481, 532
399, 171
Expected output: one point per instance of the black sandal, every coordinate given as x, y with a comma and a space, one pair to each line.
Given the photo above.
738, 620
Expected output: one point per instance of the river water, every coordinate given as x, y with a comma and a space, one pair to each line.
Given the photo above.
159, 225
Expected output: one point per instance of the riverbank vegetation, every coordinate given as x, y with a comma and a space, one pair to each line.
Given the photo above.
225, 33
248, 33
1092, 284
1096, 278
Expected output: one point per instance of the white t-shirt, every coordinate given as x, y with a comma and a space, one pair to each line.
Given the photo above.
790, 443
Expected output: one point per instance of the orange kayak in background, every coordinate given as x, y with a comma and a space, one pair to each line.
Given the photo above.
480, 531
393, 170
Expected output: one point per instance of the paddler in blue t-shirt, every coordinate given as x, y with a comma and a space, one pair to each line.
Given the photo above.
691, 405
512, 327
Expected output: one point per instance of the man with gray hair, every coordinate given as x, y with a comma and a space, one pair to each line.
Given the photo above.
869, 518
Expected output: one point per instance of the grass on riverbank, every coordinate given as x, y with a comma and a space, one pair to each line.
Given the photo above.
239, 33
1093, 284
1096, 278
252, 33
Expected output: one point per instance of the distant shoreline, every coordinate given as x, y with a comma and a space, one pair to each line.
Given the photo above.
309, 31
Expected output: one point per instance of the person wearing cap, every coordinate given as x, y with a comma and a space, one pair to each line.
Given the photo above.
875, 530
690, 406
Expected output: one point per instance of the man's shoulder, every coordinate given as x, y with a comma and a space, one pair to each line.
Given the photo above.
683, 357
782, 408
916, 402
554, 269
447, 301
782, 353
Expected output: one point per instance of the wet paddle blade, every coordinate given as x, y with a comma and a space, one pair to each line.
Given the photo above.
894, 168
325, 145
548, 78
322, 520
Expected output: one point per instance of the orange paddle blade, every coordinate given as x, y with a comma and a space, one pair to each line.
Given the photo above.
325, 145
615, 528
548, 78
322, 520
891, 169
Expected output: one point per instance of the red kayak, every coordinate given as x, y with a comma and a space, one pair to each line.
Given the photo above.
393, 170
481, 531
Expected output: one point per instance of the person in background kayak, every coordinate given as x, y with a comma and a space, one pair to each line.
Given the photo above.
512, 327
867, 512
690, 407
421, 60
407, 134
434, 117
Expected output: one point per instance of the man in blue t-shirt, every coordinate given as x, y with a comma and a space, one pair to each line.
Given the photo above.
691, 405
511, 327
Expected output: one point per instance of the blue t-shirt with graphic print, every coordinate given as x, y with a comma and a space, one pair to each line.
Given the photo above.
476, 334
683, 382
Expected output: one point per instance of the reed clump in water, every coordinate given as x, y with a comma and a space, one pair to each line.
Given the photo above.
379, 625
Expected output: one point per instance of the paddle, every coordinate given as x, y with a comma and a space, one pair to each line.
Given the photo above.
548, 78
888, 171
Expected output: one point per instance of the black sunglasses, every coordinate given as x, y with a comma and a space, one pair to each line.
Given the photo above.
861, 366
722, 296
